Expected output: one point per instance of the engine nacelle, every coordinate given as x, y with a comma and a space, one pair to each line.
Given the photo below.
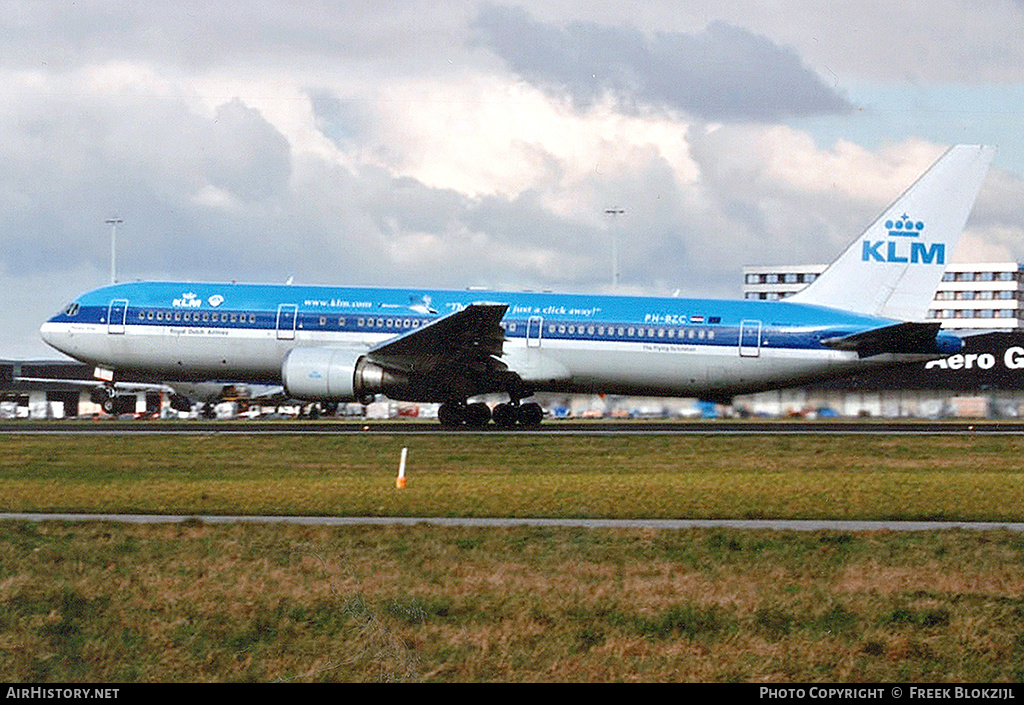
337, 374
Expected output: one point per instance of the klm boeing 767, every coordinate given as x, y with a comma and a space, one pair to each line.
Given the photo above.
332, 344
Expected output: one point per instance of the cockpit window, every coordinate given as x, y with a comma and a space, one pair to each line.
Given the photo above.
72, 309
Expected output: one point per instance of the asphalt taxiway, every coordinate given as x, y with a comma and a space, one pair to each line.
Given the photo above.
662, 524
551, 427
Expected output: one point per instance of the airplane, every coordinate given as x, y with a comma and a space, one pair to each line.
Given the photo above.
338, 344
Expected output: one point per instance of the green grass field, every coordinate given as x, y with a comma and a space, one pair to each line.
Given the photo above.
193, 602
789, 477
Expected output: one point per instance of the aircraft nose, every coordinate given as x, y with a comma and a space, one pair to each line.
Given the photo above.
53, 334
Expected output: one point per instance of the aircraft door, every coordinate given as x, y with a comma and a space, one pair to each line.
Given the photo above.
534, 327
287, 316
116, 316
750, 338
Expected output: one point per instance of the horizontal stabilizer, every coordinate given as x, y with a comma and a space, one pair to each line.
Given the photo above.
901, 338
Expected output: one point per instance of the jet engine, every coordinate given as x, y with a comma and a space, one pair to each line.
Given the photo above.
338, 374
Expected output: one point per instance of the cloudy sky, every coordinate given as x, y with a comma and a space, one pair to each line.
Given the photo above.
481, 143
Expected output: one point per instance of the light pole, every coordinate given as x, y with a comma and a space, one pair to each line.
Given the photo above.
615, 213
113, 223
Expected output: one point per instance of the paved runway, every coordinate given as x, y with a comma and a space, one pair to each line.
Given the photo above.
661, 524
550, 427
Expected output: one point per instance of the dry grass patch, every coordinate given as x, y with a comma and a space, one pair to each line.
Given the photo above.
192, 602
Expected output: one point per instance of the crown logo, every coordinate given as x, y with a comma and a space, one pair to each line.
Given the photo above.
904, 227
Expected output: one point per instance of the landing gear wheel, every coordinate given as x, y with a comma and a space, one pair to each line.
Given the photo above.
531, 414
451, 415
477, 415
505, 415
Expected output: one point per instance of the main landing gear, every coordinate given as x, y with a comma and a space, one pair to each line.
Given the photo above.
478, 414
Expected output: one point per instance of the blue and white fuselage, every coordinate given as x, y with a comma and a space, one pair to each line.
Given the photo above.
563, 342
349, 343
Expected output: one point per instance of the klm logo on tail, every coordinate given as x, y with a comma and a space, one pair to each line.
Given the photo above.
901, 249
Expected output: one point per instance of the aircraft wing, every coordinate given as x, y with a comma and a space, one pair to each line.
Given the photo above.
470, 333
95, 383
907, 338
457, 356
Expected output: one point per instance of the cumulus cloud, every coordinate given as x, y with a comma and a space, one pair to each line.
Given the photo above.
483, 149
722, 73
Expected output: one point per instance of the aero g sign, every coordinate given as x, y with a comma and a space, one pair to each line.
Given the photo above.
1012, 358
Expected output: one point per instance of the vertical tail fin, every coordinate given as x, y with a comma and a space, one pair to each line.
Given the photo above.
893, 269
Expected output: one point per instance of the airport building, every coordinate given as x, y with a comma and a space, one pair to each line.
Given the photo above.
979, 300
972, 296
